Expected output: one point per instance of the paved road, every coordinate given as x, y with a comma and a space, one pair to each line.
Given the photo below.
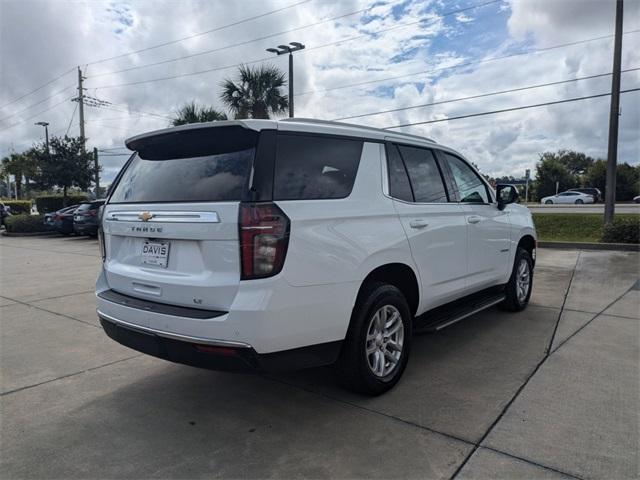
597, 208
482, 399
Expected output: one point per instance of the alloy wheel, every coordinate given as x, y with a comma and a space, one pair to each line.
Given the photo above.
384, 341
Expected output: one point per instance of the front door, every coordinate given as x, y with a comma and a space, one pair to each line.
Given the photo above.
489, 229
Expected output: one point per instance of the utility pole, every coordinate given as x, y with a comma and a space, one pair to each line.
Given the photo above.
81, 105
614, 113
295, 46
46, 134
96, 167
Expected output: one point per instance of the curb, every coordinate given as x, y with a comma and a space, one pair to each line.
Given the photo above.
27, 234
623, 247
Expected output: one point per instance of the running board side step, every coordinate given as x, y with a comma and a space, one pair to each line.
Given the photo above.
446, 315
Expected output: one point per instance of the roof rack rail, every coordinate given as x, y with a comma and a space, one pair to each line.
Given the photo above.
352, 125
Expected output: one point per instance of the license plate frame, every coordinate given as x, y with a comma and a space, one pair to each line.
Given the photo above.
155, 253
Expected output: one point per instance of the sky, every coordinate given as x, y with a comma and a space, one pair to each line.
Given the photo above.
361, 57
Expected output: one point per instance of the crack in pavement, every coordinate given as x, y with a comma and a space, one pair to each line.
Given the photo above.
524, 384
63, 315
27, 387
47, 298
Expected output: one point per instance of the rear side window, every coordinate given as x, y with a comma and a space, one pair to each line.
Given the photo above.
424, 173
200, 165
399, 186
311, 167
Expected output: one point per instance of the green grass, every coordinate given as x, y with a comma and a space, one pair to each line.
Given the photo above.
572, 227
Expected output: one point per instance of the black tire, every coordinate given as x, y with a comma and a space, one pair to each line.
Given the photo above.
516, 302
548, 202
352, 368
579, 202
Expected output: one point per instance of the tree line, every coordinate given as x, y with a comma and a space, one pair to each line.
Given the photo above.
573, 169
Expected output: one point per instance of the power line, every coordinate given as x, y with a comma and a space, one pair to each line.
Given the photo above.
471, 97
512, 109
216, 29
270, 58
219, 49
38, 103
37, 89
465, 64
71, 121
35, 115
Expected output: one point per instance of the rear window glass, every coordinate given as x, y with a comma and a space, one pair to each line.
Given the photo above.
314, 167
199, 165
83, 207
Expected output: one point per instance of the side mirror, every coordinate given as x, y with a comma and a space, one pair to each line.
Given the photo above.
506, 194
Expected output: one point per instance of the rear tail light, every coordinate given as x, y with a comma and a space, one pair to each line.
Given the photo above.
264, 237
92, 213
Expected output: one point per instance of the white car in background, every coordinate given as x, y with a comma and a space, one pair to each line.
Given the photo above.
568, 197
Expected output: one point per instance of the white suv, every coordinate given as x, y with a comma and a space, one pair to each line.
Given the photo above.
265, 245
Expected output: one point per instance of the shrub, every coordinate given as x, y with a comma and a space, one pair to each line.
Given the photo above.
622, 230
53, 203
25, 224
18, 206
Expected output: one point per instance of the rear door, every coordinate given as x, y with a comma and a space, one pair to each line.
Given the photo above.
170, 224
435, 227
489, 229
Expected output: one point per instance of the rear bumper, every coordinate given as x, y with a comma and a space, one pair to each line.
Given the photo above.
217, 355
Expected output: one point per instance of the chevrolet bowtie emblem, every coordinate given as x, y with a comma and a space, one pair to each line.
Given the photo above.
145, 216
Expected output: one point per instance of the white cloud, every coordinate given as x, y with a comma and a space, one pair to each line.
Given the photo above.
41, 39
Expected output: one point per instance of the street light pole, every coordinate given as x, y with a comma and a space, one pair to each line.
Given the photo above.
46, 133
282, 49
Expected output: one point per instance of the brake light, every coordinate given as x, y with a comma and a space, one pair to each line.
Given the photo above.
92, 213
264, 237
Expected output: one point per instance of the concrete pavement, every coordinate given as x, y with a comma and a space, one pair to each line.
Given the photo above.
551, 392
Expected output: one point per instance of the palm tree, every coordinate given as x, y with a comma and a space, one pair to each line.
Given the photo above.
257, 92
193, 113
19, 165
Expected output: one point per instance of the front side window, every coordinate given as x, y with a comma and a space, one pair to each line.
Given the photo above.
424, 174
310, 167
471, 188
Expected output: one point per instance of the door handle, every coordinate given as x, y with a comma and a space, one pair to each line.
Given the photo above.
418, 224
474, 219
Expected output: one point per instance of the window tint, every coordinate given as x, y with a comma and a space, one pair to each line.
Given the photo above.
399, 186
198, 165
199, 179
470, 188
314, 167
424, 174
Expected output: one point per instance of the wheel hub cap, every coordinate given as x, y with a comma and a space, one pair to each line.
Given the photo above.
385, 339
523, 280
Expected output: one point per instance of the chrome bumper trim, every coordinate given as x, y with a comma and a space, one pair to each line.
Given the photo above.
174, 336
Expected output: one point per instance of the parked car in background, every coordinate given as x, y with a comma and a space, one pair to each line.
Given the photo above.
5, 211
62, 220
267, 245
85, 218
568, 197
594, 192
636, 199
